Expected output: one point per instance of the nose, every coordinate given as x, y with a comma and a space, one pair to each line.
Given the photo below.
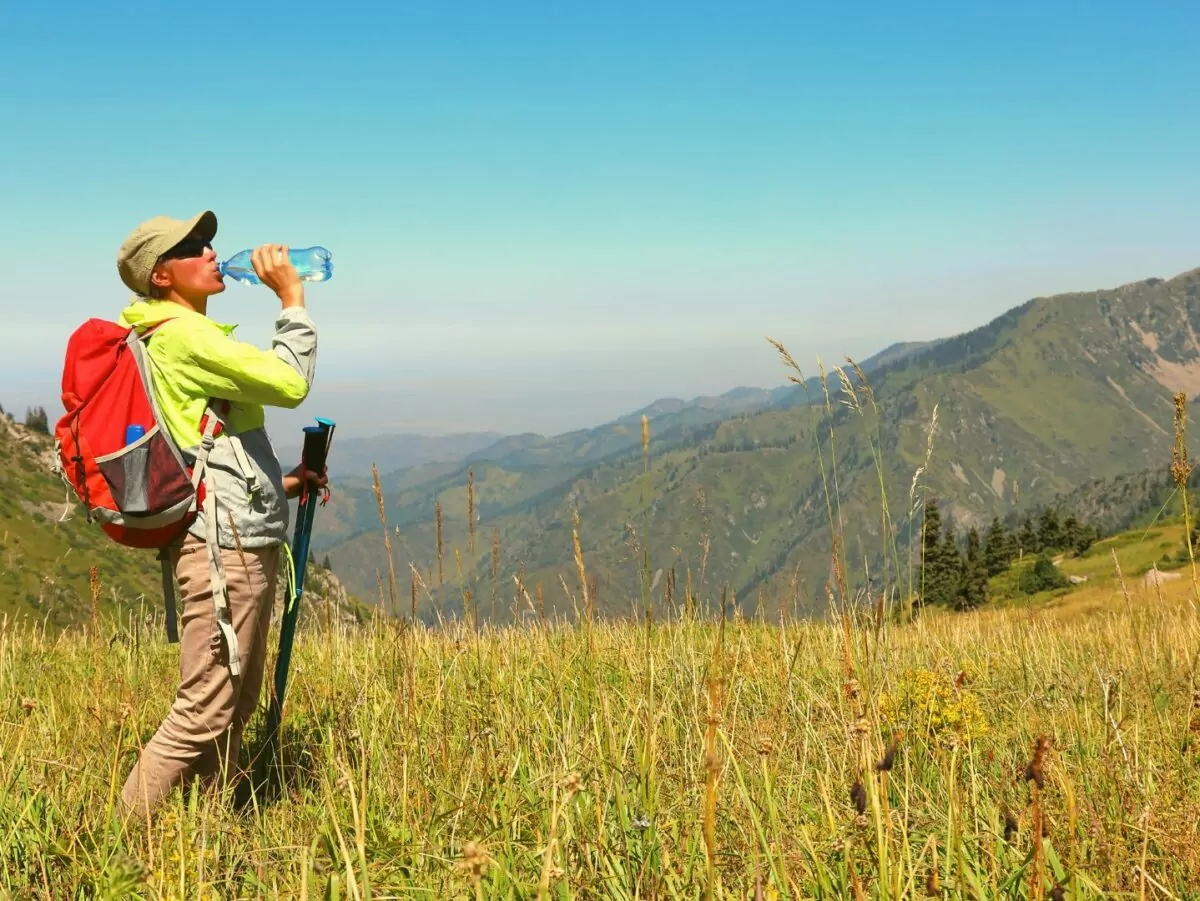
209, 253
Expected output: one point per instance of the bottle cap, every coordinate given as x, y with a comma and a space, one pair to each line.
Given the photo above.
134, 432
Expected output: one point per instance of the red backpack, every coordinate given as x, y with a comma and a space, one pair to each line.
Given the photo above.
140, 490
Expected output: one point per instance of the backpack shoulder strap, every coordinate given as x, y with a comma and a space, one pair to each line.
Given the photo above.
220, 588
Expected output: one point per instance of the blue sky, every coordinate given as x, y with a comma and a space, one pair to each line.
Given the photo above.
545, 215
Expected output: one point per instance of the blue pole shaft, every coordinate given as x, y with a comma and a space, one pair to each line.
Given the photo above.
300, 545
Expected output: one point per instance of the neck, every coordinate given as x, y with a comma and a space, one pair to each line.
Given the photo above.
200, 304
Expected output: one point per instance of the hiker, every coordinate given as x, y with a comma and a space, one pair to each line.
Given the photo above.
196, 362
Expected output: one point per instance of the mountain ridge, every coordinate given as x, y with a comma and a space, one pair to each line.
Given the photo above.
1056, 390
554, 461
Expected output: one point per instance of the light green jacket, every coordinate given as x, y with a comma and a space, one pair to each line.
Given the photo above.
194, 359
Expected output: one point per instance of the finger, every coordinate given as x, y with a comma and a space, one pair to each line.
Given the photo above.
257, 261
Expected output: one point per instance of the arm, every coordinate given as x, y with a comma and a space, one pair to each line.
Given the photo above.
222, 367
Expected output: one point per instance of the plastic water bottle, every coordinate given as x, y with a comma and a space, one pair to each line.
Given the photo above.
134, 432
314, 264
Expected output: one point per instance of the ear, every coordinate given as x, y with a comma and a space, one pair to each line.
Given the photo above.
159, 277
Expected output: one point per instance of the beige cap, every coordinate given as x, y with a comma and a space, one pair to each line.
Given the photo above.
141, 250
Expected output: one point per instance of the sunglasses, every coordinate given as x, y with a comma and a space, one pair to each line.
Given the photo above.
188, 247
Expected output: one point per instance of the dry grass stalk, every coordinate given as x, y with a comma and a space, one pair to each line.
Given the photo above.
788, 361
913, 505
420, 582
706, 543
94, 585
1181, 471
522, 593
495, 568
1129, 609
387, 541
864, 385
237, 539
437, 517
571, 785
712, 766
466, 592
1034, 774
471, 507
851, 400
583, 581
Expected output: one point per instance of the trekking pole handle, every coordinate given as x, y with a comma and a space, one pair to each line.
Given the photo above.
316, 447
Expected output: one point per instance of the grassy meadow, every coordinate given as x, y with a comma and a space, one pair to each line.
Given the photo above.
1036, 751
1046, 748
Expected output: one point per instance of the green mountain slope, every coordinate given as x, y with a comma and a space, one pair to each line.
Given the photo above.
47, 548
1054, 393
47, 551
518, 472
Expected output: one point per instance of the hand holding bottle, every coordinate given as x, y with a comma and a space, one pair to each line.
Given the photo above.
274, 269
312, 264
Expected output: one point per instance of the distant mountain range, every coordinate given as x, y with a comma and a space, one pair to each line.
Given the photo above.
1057, 391
355, 456
1066, 397
546, 464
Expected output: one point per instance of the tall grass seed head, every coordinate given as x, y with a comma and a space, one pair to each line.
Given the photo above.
1034, 771
858, 797
474, 860
889, 756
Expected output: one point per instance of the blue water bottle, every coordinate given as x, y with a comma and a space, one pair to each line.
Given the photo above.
314, 264
134, 432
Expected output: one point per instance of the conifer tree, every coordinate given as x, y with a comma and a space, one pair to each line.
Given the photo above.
973, 587
952, 563
1073, 535
1088, 535
931, 533
998, 548
1050, 533
1027, 539
941, 565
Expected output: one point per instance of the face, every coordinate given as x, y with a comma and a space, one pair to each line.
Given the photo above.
189, 269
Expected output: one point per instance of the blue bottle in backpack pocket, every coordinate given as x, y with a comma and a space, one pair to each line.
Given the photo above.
133, 472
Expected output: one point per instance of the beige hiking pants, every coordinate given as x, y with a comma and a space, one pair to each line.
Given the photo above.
202, 733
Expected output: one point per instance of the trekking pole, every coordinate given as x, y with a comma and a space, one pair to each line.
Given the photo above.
317, 439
